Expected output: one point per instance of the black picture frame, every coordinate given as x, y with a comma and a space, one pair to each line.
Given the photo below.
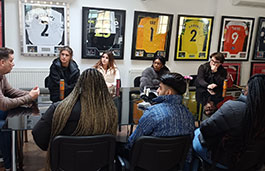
193, 39
2, 23
235, 37
151, 35
102, 30
259, 49
257, 68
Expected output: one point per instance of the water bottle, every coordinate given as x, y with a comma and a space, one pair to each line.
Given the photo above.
61, 89
224, 88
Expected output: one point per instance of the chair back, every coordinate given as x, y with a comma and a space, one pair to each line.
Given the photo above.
46, 81
159, 153
253, 158
136, 82
192, 82
82, 153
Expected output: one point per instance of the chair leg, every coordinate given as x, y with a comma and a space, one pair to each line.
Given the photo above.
26, 136
20, 143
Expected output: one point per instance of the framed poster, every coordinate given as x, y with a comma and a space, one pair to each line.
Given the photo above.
44, 27
102, 30
193, 38
259, 50
151, 35
233, 70
257, 68
235, 37
2, 24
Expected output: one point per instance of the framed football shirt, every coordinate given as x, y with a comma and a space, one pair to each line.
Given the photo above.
193, 37
102, 30
234, 73
2, 27
151, 35
259, 50
257, 68
44, 27
235, 37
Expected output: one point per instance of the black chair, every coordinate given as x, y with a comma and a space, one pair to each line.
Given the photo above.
136, 82
251, 160
82, 153
46, 81
192, 82
157, 153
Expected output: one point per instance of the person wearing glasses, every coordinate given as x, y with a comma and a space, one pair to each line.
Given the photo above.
210, 79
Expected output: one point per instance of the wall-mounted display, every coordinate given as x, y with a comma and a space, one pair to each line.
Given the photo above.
259, 50
151, 35
102, 30
235, 37
257, 68
44, 27
233, 70
193, 37
2, 26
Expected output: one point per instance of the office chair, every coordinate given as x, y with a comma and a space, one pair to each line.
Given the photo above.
82, 153
251, 160
136, 82
157, 153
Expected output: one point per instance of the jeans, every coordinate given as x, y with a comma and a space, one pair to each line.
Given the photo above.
203, 152
5, 141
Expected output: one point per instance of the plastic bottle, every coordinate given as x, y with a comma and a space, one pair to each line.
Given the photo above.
61, 89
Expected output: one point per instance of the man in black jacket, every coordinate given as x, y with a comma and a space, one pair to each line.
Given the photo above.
210, 79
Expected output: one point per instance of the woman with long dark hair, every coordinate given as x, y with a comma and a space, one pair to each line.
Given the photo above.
223, 137
87, 110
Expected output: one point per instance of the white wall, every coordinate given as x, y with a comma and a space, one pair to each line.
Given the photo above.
215, 8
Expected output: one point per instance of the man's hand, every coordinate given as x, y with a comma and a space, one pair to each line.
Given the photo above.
34, 93
211, 92
211, 86
214, 68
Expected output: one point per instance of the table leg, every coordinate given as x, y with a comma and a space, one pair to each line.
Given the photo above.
14, 167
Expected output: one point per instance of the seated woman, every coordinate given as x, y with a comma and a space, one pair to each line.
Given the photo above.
222, 138
106, 65
63, 67
150, 76
89, 100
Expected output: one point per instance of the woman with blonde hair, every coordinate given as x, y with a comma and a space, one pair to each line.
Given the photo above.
106, 65
87, 110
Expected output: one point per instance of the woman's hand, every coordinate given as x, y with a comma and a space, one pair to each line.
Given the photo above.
109, 85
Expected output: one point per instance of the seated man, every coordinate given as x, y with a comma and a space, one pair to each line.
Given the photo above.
209, 108
168, 117
210, 79
10, 98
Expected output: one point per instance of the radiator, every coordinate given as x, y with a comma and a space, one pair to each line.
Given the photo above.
27, 77
134, 73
